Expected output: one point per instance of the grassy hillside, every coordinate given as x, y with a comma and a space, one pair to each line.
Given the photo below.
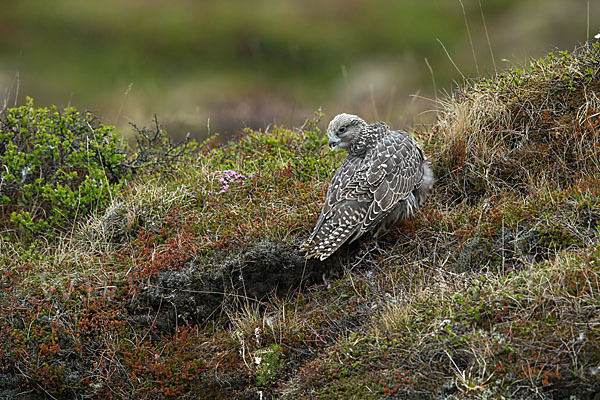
188, 283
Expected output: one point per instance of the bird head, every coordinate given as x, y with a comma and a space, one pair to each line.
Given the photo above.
344, 130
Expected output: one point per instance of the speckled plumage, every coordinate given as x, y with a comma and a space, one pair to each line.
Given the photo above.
385, 178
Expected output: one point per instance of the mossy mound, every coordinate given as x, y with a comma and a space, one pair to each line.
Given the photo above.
523, 128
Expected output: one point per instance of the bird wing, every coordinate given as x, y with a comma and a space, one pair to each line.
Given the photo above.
394, 172
345, 173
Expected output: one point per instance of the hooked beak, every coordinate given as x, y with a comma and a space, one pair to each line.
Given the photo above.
333, 143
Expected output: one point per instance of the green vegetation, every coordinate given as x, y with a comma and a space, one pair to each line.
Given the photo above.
189, 284
268, 40
56, 165
190, 60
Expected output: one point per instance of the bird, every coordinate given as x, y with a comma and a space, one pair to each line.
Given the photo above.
384, 178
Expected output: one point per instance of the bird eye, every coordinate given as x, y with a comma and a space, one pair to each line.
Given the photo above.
342, 129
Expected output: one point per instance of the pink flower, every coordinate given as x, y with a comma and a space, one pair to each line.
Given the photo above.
228, 177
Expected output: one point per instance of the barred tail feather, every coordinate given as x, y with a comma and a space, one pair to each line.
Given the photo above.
328, 240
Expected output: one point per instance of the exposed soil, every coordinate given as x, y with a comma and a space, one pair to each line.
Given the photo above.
193, 296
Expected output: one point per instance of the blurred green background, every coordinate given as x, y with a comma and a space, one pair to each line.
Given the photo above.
218, 66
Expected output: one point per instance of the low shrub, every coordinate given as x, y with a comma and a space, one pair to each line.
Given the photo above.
54, 165
60, 164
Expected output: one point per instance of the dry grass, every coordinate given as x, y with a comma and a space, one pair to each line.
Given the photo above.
523, 128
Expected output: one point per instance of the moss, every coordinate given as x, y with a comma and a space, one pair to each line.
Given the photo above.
269, 362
